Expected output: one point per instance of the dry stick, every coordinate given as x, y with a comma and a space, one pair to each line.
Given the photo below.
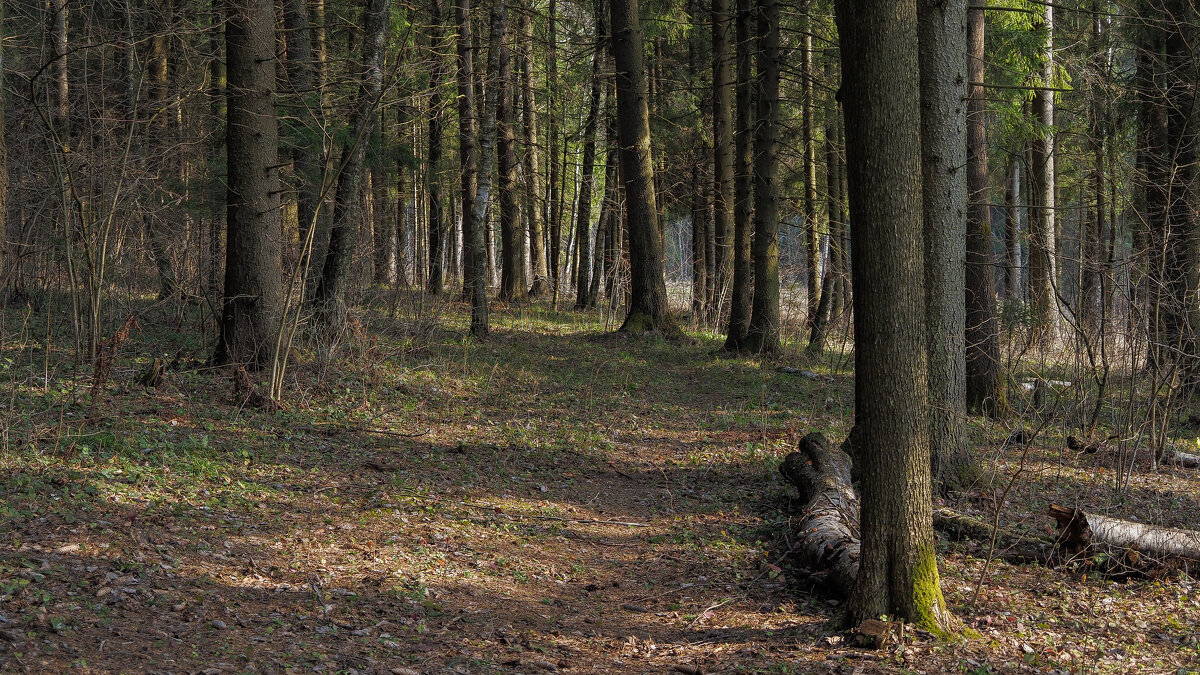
987, 561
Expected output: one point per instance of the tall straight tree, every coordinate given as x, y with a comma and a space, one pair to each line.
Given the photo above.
433, 172
467, 150
943, 32
648, 310
487, 155
534, 178
1043, 265
742, 293
722, 112
301, 79
583, 218
898, 573
512, 269
811, 230
251, 304
985, 383
3, 167
763, 335
330, 298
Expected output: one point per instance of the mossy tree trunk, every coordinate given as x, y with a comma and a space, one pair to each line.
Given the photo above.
898, 573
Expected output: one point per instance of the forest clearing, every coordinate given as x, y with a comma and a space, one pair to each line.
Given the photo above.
556, 499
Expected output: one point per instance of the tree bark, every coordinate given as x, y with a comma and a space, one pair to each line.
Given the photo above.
433, 171
487, 155
722, 111
742, 294
583, 218
763, 334
533, 175
1079, 531
554, 197
943, 32
898, 574
330, 298
811, 230
250, 312
829, 305
513, 285
467, 148
985, 383
648, 310
828, 536
1012, 230
301, 79
1042, 230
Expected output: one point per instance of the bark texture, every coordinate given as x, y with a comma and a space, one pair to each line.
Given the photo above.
251, 305
742, 293
898, 574
763, 334
985, 383
943, 36
648, 309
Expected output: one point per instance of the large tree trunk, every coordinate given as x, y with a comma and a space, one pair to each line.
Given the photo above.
330, 297
763, 335
487, 155
943, 31
433, 171
722, 111
251, 305
742, 293
985, 383
648, 310
1042, 233
898, 574
467, 150
513, 286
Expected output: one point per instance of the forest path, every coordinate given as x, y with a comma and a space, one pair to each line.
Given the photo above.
550, 499
555, 499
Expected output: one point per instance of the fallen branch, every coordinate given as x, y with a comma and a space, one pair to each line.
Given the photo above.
828, 533
1080, 531
1011, 545
1186, 460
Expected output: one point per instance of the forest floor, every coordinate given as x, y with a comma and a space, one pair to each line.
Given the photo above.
555, 499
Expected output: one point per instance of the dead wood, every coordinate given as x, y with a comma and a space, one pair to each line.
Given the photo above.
1011, 545
1080, 531
246, 393
828, 529
1186, 460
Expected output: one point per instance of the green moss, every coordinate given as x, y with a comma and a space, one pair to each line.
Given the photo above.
928, 610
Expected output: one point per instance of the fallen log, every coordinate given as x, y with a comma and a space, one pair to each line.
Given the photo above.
1011, 545
1080, 531
1186, 460
829, 538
